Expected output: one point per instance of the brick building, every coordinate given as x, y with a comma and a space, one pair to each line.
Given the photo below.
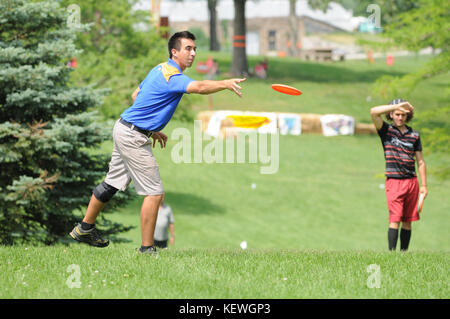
267, 22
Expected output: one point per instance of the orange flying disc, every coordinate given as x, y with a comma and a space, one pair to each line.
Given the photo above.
286, 89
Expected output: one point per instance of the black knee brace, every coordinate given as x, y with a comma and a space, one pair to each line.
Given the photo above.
104, 192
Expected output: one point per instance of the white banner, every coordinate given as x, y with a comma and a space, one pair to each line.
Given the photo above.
337, 124
290, 124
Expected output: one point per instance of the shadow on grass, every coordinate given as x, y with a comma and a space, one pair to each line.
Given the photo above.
183, 203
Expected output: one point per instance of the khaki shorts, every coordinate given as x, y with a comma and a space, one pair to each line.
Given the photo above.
132, 160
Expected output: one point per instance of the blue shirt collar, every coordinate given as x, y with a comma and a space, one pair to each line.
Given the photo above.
175, 64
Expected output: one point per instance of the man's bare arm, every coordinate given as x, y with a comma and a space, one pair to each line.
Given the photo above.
377, 111
422, 168
172, 234
135, 93
209, 86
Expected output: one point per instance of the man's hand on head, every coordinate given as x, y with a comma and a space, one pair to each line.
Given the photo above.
404, 107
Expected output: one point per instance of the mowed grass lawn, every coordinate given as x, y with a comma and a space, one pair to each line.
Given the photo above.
119, 272
313, 229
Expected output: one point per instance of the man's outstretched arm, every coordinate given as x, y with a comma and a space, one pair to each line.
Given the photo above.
210, 86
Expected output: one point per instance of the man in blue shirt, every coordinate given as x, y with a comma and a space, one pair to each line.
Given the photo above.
155, 101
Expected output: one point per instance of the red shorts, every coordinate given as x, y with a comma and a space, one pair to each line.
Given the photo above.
402, 199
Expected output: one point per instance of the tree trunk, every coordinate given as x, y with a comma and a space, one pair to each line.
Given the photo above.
239, 65
293, 29
213, 40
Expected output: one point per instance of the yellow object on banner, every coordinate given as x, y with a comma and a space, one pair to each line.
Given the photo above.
249, 121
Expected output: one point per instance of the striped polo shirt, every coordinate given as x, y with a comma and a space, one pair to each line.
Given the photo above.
399, 150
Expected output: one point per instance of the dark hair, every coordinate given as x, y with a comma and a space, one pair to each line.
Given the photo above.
175, 42
409, 115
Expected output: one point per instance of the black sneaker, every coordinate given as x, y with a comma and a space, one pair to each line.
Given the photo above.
90, 236
150, 250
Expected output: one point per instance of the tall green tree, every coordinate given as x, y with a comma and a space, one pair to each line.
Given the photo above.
119, 49
115, 26
47, 165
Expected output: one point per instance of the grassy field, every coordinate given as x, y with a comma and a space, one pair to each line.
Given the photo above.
119, 272
338, 87
325, 195
312, 229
